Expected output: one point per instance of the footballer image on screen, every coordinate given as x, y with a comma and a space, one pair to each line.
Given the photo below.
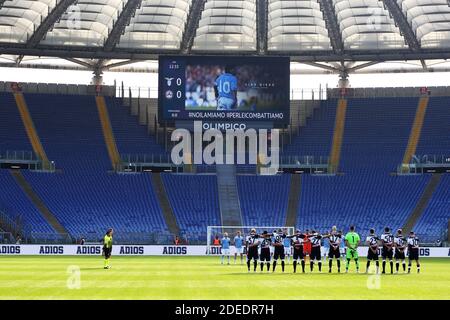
233, 87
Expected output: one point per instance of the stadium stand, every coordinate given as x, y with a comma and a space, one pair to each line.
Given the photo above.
370, 199
15, 203
435, 137
131, 138
89, 202
435, 218
70, 130
194, 201
264, 199
376, 133
315, 138
13, 136
86, 199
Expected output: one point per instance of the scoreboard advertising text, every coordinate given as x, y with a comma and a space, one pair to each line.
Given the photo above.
224, 89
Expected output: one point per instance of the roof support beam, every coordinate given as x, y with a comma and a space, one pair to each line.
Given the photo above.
403, 24
363, 65
119, 26
195, 13
334, 31
322, 66
152, 54
81, 63
48, 22
405, 28
119, 64
262, 9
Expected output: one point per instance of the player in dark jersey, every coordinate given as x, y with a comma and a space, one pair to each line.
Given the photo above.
264, 256
387, 239
278, 245
297, 241
252, 242
372, 253
400, 246
316, 254
413, 251
334, 239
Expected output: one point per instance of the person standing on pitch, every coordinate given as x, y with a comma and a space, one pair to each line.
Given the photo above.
252, 242
239, 246
334, 242
372, 253
413, 251
287, 246
225, 243
352, 241
399, 254
387, 239
278, 249
107, 247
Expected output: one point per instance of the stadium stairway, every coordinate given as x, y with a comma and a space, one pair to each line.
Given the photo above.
230, 208
338, 134
108, 134
30, 128
423, 202
38, 203
164, 203
416, 130
294, 200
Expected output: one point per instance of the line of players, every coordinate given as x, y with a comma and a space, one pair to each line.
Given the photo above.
267, 248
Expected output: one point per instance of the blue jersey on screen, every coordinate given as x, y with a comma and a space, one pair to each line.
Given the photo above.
225, 243
287, 242
226, 85
238, 241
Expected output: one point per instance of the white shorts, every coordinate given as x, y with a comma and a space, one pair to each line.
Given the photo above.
224, 103
287, 250
225, 252
272, 249
239, 250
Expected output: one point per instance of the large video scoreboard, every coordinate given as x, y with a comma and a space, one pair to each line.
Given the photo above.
224, 89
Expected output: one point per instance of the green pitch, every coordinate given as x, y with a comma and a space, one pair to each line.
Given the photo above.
204, 278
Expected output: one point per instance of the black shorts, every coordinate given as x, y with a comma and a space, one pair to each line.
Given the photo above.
107, 252
315, 253
265, 255
298, 253
334, 253
413, 254
372, 255
399, 254
386, 253
278, 253
252, 253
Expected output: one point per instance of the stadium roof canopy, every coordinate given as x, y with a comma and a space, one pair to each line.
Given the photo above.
310, 31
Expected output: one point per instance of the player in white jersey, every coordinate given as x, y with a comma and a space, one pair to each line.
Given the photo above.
316, 254
387, 239
252, 242
372, 253
278, 253
298, 256
400, 246
413, 251
264, 256
334, 240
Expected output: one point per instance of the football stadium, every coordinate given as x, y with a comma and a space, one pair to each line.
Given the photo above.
224, 149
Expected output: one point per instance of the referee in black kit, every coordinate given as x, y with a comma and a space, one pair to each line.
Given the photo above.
107, 247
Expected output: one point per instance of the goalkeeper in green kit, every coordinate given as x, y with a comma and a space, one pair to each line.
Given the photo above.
352, 241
